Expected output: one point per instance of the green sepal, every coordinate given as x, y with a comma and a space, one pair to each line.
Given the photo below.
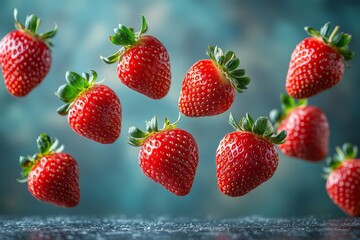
31, 26
46, 145
261, 127
338, 41
346, 152
76, 85
287, 105
137, 136
228, 63
125, 37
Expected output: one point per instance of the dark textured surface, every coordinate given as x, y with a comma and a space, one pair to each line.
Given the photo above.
179, 228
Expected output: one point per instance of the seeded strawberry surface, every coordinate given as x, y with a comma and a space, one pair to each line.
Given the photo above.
314, 67
170, 158
244, 161
307, 134
145, 67
55, 179
343, 187
96, 114
205, 91
25, 61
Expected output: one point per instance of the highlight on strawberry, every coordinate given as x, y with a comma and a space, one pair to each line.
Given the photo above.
93, 109
343, 179
317, 63
143, 61
307, 129
52, 176
247, 157
209, 86
25, 56
168, 156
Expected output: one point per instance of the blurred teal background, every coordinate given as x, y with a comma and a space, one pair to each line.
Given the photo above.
262, 33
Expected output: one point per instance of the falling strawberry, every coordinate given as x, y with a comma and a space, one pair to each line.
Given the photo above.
52, 175
307, 129
209, 86
317, 62
143, 61
25, 57
343, 179
168, 156
94, 110
247, 157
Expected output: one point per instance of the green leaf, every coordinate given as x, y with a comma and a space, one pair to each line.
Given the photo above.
312, 32
44, 143
49, 34
64, 109
75, 80
232, 64
324, 30
32, 23
262, 125
123, 36
67, 93
112, 58
233, 122
344, 40
229, 55
279, 138
135, 132
144, 26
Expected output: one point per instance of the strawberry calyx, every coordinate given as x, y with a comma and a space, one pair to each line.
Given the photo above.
137, 136
261, 127
229, 64
46, 146
125, 37
76, 85
31, 26
338, 41
287, 105
347, 152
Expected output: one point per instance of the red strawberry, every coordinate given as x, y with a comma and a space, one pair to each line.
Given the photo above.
317, 63
168, 156
143, 62
307, 129
52, 176
94, 110
25, 57
247, 157
209, 85
343, 180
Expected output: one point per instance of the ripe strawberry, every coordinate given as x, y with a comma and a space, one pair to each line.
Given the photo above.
209, 85
247, 157
52, 176
307, 129
25, 57
143, 62
168, 156
317, 63
94, 110
343, 179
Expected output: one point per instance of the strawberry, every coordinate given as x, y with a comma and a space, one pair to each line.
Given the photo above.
307, 129
343, 179
209, 85
94, 110
247, 157
25, 57
52, 175
317, 62
143, 61
168, 156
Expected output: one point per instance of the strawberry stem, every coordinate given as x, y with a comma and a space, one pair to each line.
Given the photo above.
32, 24
261, 127
46, 146
137, 137
346, 152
